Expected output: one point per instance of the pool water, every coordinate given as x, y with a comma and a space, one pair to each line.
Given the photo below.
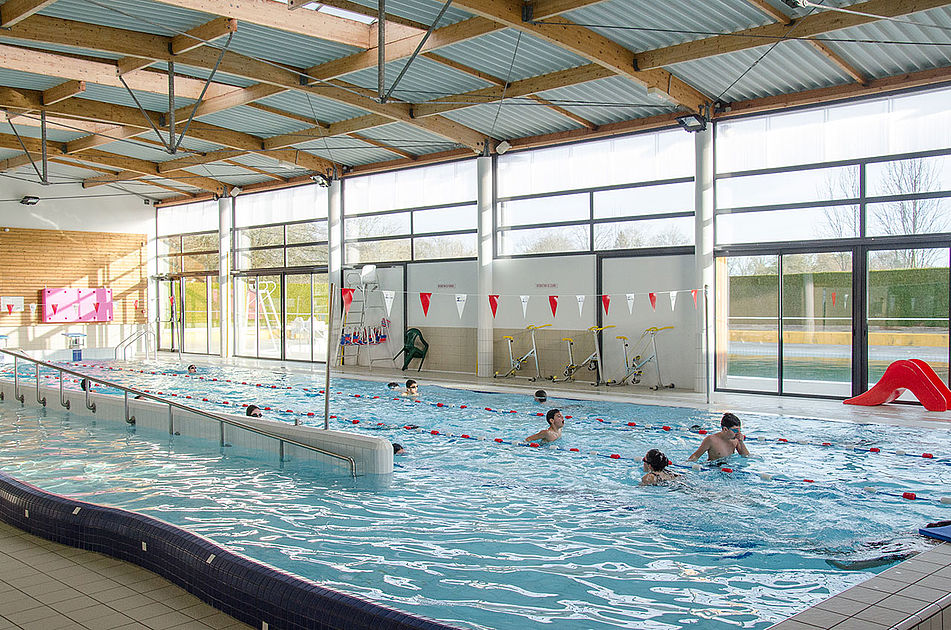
482, 534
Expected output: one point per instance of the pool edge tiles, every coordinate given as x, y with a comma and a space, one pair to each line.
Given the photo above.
245, 589
372, 455
912, 595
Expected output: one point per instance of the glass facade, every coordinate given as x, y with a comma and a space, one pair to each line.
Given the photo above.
851, 206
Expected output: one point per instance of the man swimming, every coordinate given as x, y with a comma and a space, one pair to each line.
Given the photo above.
412, 389
555, 423
723, 443
192, 369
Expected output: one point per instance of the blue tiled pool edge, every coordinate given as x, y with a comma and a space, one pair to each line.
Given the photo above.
243, 588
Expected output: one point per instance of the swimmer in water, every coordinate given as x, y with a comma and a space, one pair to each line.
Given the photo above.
723, 443
392, 385
655, 464
412, 389
541, 396
398, 449
192, 369
555, 423
253, 411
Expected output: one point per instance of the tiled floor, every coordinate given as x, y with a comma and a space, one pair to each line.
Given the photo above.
48, 586
914, 594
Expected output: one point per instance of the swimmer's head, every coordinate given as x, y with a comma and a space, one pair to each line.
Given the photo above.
253, 411
411, 386
555, 418
85, 384
192, 369
656, 460
729, 421
541, 395
393, 385
398, 449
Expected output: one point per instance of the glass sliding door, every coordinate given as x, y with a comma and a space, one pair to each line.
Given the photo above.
195, 337
817, 323
169, 294
298, 317
269, 318
245, 316
907, 309
320, 300
747, 323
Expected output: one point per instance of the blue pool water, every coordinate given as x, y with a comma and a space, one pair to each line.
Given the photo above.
488, 535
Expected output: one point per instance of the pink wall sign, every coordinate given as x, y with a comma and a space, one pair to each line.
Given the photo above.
77, 305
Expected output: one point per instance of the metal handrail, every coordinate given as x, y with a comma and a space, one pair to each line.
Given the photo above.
171, 405
128, 341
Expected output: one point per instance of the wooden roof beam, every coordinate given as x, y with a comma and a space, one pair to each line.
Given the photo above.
254, 169
382, 145
544, 9
593, 47
130, 64
63, 91
808, 26
201, 35
584, 122
15, 11
771, 11
275, 15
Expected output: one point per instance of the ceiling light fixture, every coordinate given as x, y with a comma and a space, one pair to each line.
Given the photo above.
503, 147
322, 180
30, 200
235, 191
692, 122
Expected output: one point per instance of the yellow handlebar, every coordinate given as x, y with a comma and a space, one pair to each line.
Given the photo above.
568, 339
621, 337
534, 327
596, 329
508, 337
655, 329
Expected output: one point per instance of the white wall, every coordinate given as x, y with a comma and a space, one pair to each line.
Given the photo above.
99, 209
641, 275
564, 276
444, 280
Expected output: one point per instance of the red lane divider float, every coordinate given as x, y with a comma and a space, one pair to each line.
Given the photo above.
619, 424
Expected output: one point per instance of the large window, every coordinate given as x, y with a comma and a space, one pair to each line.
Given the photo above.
423, 213
625, 193
187, 239
281, 229
832, 232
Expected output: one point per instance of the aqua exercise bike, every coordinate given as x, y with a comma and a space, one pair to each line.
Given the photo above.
516, 364
635, 367
593, 362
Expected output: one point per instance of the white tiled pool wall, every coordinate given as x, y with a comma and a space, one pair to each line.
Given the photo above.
372, 455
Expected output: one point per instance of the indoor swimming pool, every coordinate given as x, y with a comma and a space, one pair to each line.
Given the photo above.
478, 530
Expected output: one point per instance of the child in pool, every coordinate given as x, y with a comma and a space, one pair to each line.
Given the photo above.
723, 443
556, 421
655, 464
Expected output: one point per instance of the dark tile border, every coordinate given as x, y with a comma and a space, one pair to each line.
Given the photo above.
243, 588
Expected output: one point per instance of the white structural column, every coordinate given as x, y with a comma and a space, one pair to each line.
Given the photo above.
703, 204
486, 254
224, 273
334, 231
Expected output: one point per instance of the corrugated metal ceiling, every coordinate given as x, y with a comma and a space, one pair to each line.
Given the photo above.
308, 104
409, 138
512, 120
612, 100
493, 54
424, 11
425, 80
253, 121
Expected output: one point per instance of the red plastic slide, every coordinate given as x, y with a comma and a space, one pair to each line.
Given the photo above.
914, 375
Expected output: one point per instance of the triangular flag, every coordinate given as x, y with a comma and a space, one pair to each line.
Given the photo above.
524, 299
845, 300
606, 302
388, 301
630, 303
580, 304
347, 296
673, 300
10, 309
135, 305
171, 299
693, 292
96, 306
460, 303
424, 302
653, 298
55, 306
553, 303
33, 309
494, 304
833, 298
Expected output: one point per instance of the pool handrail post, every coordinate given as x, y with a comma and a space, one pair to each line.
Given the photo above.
91, 406
706, 342
171, 420
62, 400
125, 403
16, 381
330, 344
42, 400
198, 412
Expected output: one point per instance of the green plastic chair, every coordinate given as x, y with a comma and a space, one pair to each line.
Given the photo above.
411, 351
